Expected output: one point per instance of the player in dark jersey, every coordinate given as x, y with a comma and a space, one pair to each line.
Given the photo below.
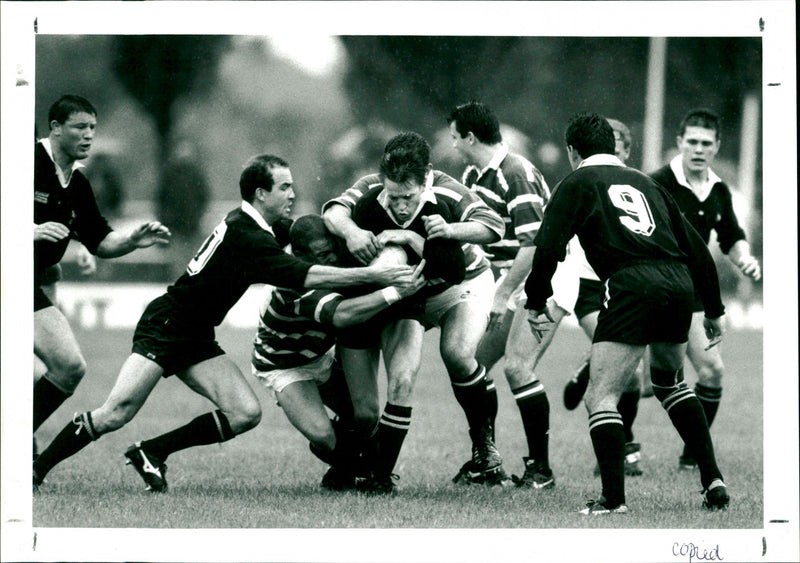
587, 308
411, 204
517, 191
707, 203
294, 354
651, 261
175, 335
64, 207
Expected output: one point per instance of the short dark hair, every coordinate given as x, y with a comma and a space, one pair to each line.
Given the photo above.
590, 134
622, 129
477, 117
68, 104
701, 117
306, 229
406, 157
257, 173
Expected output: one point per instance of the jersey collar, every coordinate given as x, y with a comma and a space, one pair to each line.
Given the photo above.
251, 211
676, 165
427, 196
499, 155
601, 160
63, 179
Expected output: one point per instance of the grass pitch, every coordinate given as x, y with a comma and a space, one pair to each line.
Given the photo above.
267, 478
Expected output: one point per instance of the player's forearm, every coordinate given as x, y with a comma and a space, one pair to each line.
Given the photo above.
473, 232
319, 277
114, 245
359, 309
520, 268
739, 250
338, 221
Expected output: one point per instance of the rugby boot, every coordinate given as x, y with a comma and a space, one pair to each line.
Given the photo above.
537, 475
376, 485
338, 479
600, 507
716, 496
150, 468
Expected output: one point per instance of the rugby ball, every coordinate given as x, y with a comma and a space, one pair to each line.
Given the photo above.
391, 254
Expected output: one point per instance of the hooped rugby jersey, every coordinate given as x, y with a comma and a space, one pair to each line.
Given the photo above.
441, 195
713, 212
621, 217
294, 328
516, 190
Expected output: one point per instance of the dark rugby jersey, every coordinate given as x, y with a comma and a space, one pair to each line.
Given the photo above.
715, 211
621, 217
442, 195
294, 328
515, 189
73, 206
240, 252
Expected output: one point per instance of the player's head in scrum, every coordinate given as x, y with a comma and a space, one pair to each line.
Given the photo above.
404, 169
266, 183
312, 242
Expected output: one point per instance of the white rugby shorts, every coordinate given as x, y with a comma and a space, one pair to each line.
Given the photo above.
479, 292
276, 380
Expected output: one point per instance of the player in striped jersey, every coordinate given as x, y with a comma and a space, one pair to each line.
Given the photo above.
410, 203
517, 191
294, 354
651, 260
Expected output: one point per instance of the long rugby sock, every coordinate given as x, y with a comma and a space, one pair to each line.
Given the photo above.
689, 420
471, 395
208, 428
491, 402
392, 429
709, 397
608, 441
534, 408
46, 399
628, 406
73, 438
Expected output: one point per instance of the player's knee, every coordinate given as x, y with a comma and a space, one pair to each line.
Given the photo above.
400, 387
459, 362
247, 417
710, 373
322, 435
68, 372
516, 372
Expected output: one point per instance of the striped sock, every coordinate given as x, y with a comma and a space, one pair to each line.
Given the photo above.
392, 429
534, 408
208, 428
608, 441
688, 418
709, 397
628, 406
471, 395
75, 436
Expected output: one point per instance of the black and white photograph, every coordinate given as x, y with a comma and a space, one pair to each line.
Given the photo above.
400, 281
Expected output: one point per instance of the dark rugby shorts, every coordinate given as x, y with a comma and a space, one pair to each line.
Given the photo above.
368, 334
647, 302
590, 297
172, 339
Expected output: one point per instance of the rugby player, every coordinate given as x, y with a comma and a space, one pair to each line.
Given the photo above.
294, 354
64, 207
175, 335
651, 261
516, 190
587, 308
707, 203
410, 203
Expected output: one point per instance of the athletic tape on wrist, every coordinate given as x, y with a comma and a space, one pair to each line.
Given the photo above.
390, 295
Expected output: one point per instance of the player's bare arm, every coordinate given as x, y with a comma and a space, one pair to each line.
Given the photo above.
147, 234
516, 275
382, 274
740, 255
358, 309
469, 231
715, 329
50, 231
402, 237
362, 244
